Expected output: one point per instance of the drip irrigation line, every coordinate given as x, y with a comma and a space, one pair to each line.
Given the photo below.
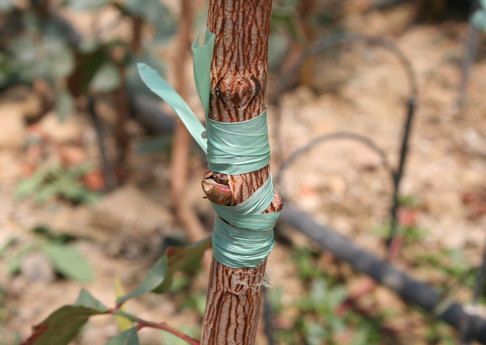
329, 42
471, 51
398, 174
469, 325
330, 137
107, 167
384, 273
471, 46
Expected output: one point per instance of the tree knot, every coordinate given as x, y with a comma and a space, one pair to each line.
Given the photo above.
238, 90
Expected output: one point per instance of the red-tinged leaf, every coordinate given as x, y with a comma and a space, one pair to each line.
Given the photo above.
37, 332
65, 323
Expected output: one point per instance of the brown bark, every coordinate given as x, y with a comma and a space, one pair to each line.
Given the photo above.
238, 88
182, 139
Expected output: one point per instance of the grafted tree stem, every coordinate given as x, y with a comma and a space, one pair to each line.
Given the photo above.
238, 88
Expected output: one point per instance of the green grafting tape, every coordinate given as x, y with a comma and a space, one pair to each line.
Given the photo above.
162, 89
478, 19
232, 148
202, 67
249, 241
239, 147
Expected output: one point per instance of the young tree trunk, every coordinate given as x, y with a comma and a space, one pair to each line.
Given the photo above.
238, 88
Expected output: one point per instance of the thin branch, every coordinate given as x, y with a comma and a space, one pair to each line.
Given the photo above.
165, 327
162, 325
182, 141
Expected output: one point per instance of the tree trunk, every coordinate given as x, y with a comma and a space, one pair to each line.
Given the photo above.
238, 88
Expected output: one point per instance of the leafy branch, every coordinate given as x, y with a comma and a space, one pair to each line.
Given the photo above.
64, 324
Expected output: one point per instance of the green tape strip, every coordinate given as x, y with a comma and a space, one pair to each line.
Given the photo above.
202, 68
234, 149
240, 147
162, 89
251, 230
478, 19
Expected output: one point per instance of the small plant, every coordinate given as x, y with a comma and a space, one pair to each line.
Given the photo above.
51, 182
57, 248
316, 320
71, 318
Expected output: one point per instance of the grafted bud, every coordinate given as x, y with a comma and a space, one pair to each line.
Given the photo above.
216, 188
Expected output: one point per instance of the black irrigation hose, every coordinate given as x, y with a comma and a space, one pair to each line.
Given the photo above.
384, 273
107, 167
398, 174
329, 42
471, 46
332, 41
329, 137
468, 325
471, 51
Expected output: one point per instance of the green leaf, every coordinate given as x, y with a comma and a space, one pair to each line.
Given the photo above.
13, 264
106, 79
336, 296
65, 323
129, 337
123, 323
318, 290
68, 261
9, 243
60, 61
88, 60
31, 184
64, 105
159, 278
85, 5
151, 11
85, 299
15, 261
46, 193
315, 334
361, 336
